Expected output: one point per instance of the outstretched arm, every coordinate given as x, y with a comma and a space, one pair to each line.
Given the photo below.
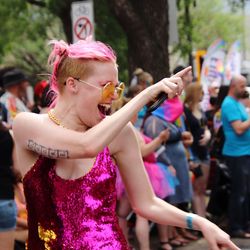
127, 154
36, 133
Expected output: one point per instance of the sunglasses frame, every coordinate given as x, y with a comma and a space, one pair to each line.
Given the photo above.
118, 89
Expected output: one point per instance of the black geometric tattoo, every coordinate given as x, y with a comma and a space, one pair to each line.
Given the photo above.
47, 152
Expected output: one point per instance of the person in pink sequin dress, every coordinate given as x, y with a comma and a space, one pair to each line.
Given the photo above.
66, 157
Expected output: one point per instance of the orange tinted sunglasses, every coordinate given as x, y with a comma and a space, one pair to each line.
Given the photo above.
108, 90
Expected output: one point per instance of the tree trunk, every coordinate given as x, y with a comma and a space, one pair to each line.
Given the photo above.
62, 9
146, 25
67, 24
188, 23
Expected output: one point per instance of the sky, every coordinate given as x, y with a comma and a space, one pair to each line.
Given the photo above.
247, 7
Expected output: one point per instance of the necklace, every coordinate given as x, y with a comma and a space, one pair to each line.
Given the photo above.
54, 119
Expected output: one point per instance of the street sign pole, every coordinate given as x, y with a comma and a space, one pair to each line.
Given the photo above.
82, 16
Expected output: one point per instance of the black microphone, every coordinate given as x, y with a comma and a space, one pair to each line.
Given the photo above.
162, 96
160, 99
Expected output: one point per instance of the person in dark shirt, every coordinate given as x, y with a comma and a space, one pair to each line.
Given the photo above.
197, 124
3, 113
8, 210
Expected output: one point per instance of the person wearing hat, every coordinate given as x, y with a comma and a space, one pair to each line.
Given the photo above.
14, 83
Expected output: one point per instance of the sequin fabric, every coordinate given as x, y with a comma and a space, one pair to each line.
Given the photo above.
73, 214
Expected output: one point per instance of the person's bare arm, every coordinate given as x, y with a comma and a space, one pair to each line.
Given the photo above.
187, 138
205, 137
126, 152
240, 127
34, 133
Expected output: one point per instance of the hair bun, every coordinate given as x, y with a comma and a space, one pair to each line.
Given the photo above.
59, 50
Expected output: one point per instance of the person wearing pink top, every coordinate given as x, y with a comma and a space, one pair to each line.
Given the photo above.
66, 157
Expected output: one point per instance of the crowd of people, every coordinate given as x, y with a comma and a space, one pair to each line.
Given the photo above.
86, 154
17, 95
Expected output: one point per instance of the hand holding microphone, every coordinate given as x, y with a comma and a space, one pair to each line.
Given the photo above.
163, 96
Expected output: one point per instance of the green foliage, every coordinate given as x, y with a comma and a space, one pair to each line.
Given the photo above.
27, 29
11, 19
209, 20
55, 5
236, 4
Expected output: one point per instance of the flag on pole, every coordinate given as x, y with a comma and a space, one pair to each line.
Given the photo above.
233, 62
212, 72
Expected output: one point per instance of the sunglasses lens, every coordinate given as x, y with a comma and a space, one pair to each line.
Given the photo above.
108, 90
120, 89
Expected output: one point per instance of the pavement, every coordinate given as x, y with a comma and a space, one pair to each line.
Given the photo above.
200, 244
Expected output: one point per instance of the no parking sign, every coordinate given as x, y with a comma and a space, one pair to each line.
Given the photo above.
82, 16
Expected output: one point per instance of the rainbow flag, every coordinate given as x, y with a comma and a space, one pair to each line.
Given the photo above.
170, 110
212, 71
233, 62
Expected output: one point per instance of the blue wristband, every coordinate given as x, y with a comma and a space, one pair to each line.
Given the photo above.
189, 221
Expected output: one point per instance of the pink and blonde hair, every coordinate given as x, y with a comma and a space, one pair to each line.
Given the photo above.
74, 59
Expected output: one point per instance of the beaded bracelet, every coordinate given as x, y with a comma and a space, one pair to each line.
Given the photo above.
189, 221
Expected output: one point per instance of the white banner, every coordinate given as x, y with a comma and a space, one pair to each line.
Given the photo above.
213, 65
212, 72
233, 62
82, 16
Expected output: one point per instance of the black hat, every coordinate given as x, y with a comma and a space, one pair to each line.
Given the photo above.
13, 77
2, 72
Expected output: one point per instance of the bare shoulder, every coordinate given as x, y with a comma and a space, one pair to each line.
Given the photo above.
26, 122
24, 126
25, 117
122, 139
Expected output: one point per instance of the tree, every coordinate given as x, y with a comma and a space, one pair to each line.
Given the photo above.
106, 27
108, 30
186, 27
140, 37
144, 37
145, 23
29, 25
236, 4
209, 20
27, 29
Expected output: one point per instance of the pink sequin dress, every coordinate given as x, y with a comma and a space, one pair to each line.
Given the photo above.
73, 214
